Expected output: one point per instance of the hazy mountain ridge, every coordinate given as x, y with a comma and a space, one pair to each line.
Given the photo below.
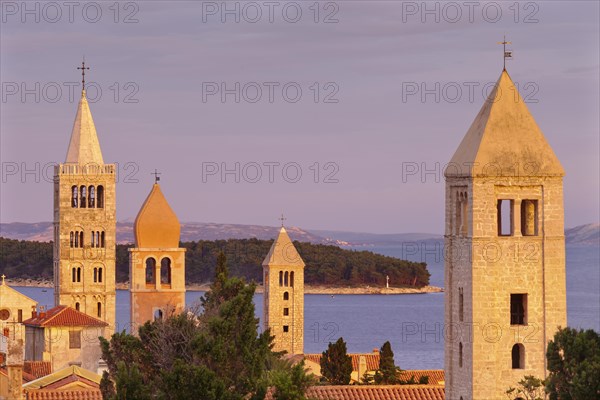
588, 234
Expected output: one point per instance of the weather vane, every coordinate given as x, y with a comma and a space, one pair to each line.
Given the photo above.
156, 175
282, 218
507, 54
83, 68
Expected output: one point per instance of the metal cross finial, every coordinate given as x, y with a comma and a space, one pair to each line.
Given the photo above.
507, 54
83, 68
3, 276
282, 218
156, 175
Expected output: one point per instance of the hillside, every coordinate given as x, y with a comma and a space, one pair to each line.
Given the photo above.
325, 265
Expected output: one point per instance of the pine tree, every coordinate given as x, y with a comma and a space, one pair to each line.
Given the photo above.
388, 372
336, 364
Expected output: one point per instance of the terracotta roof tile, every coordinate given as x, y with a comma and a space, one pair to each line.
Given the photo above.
372, 360
27, 377
37, 368
372, 392
88, 394
436, 376
63, 316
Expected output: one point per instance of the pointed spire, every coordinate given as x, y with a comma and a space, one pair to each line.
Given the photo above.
504, 140
283, 253
156, 225
84, 147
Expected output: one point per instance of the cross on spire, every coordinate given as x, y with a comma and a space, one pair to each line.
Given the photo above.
282, 218
156, 175
3, 276
507, 54
83, 68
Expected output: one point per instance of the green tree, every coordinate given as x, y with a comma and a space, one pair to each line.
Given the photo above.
290, 381
387, 374
216, 354
529, 388
574, 365
336, 364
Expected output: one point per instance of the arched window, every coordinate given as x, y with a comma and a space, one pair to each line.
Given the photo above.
77, 306
97, 238
158, 314
93, 243
76, 239
74, 277
99, 310
286, 296
460, 354
78, 274
292, 279
286, 278
102, 240
518, 356
150, 269
95, 274
100, 274
82, 196
91, 197
280, 278
71, 240
74, 196
165, 271
100, 197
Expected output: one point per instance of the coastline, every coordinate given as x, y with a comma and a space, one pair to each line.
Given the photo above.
308, 289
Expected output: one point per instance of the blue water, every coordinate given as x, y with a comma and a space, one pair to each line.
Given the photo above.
413, 323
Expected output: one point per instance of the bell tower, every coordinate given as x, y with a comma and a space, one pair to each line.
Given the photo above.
156, 263
505, 250
85, 224
283, 280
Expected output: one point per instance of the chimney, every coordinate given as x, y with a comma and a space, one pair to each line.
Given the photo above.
33, 311
42, 311
14, 367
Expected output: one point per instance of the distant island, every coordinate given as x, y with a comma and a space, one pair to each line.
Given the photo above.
329, 269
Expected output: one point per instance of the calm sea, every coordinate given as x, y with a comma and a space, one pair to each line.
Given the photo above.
413, 323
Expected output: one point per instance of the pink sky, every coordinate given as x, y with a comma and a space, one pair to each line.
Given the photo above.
178, 53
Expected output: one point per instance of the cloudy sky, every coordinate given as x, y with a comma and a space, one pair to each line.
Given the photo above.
339, 114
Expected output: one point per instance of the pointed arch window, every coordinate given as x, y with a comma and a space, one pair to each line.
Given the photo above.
82, 196
99, 308
165, 271
150, 270
74, 197
91, 197
100, 196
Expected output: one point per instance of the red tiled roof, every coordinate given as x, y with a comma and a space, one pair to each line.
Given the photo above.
87, 394
436, 376
27, 377
64, 316
372, 392
372, 360
37, 368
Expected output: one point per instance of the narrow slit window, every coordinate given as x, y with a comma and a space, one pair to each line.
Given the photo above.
286, 328
518, 309
460, 355
529, 217
461, 301
286, 311
505, 217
